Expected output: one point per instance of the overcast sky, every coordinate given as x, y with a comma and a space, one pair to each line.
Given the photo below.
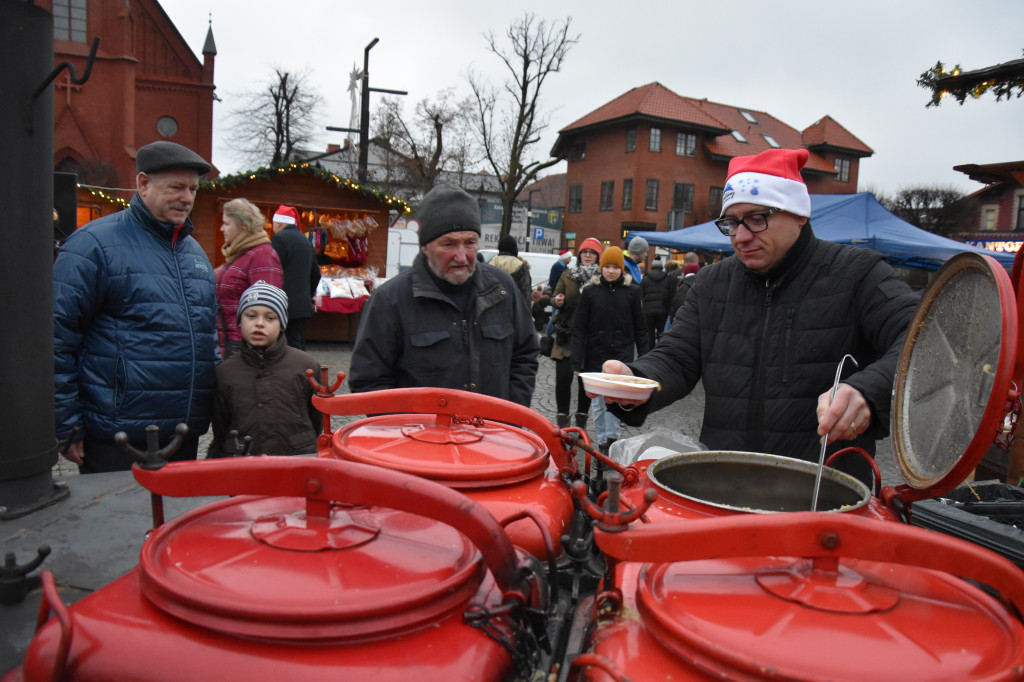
857, 61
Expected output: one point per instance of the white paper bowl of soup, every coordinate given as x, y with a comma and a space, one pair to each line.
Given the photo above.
620, 386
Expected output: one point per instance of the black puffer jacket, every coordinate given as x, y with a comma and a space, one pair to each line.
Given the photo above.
655, 287
608, 323
766, 346
267, 396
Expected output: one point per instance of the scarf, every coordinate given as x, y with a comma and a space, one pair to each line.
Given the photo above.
584, 273
243, 243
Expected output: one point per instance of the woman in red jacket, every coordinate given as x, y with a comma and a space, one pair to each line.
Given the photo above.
248, 258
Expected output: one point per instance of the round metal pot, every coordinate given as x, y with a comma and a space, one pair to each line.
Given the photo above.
755, 482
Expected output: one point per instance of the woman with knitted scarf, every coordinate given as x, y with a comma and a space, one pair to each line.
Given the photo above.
248, 258
566, 294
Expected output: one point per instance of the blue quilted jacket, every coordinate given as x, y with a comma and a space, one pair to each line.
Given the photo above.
135, 335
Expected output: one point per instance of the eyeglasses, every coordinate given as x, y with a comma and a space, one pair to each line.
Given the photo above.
755, 222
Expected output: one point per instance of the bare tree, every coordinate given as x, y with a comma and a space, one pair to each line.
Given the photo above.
436, 139
508, 122
935, 208
272, 123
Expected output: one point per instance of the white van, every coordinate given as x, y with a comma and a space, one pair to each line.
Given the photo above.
403, 245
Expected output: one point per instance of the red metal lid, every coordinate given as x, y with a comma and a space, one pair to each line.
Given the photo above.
255, 567
954, 377
475, 453
782, 618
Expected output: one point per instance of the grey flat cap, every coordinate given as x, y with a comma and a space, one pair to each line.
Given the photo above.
165, 155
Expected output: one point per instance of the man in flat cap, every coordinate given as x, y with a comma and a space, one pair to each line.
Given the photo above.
135, 336
448, 321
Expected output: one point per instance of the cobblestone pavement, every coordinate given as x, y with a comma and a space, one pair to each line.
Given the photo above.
683, 417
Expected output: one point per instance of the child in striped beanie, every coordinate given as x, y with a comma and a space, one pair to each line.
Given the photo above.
262, 391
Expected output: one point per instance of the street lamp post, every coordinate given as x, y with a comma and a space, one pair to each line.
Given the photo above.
364, 112
529, 217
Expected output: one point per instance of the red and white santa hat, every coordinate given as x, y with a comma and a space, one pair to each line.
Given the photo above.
287, 215
565, 255
771, 178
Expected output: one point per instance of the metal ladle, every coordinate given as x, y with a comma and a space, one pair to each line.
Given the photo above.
824, 439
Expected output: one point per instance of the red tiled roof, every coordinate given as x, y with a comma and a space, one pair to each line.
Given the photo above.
826, 131
657, 101
551, 191
653, 99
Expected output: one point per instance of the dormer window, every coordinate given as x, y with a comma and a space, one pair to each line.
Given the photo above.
770, 140
749, 117
738, 136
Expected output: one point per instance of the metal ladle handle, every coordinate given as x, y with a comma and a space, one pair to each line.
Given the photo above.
824, 439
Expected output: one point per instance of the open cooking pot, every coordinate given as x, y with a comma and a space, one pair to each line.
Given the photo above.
754, 482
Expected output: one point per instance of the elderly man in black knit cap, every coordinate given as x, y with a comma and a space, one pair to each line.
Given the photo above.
448, 321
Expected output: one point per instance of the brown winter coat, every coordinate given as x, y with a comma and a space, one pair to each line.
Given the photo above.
266, 396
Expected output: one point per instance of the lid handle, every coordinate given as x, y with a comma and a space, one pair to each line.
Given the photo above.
446, 403
321, 481
816, 535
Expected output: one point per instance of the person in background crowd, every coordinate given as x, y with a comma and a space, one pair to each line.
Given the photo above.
135, 331
674, 271
634, 256
248, 258
566, 297
564, 256
540, 300
609, 324
682, 287
449, 320
263, 392
301, 272
321, 256
765, 329
656, 297
508, 260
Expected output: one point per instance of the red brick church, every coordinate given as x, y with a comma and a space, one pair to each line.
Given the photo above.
146, 84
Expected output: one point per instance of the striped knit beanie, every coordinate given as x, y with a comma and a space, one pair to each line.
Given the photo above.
267, 295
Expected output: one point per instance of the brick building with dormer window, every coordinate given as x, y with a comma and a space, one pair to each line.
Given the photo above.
653, 160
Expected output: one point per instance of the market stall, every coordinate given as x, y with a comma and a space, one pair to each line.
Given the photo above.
345, 223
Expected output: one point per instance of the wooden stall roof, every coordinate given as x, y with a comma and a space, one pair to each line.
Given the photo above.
304, 186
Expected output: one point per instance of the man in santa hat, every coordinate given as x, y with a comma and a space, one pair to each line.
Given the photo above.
766, 328
301, 272
564, 256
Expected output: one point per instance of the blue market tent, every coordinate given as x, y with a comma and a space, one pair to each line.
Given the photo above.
856, 219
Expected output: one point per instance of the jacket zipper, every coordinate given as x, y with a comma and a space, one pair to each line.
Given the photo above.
467, 341
787, 350
756, 420
191, 332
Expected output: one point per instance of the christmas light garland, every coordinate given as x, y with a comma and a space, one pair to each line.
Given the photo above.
99, 193
267, 172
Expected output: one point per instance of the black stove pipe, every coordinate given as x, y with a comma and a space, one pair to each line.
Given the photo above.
28, 447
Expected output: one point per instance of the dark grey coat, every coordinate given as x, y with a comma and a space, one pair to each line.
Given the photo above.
412, 334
